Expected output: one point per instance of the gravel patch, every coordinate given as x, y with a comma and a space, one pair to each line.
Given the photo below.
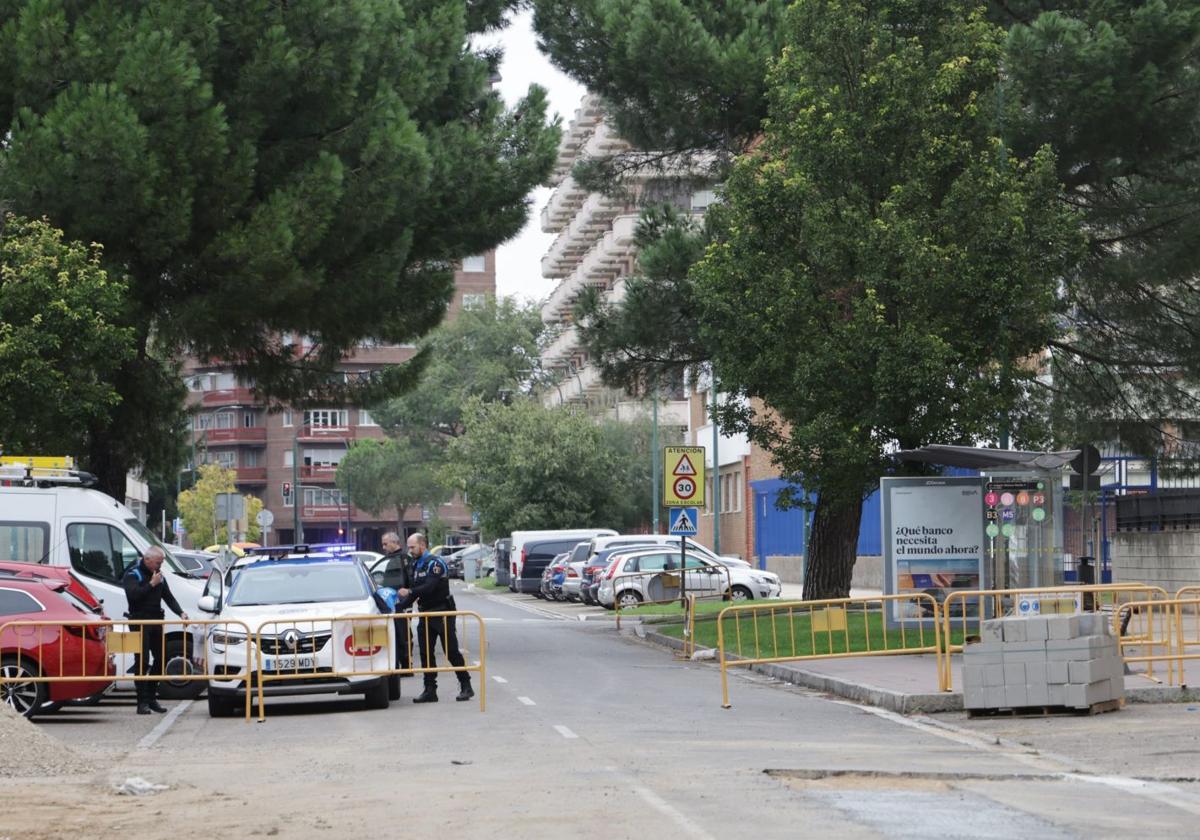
25, 750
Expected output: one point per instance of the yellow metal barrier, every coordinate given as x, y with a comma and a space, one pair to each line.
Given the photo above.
359, 646
835, 628
699, 580
1172, 627
51, 646
968, 608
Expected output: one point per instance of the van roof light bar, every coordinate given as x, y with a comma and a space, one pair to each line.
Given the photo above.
25, 475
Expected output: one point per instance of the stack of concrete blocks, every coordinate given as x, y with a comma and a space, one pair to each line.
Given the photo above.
1052, 660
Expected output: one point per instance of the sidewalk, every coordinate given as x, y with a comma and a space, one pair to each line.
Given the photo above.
908, 683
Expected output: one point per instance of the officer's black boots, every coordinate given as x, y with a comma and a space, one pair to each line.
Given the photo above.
465, 691
143, 706
429, 695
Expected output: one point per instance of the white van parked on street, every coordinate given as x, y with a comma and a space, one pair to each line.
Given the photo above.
57, 521
520, 538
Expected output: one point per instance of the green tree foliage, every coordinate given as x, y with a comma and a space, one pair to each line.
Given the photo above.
60, 339
489, 353
891, 264
262, 170
198, 505
524, 466
380, 476
1115, 88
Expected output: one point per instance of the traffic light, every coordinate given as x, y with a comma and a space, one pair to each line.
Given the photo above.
287, 489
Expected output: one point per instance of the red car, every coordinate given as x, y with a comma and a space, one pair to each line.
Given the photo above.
73, 648
41, 571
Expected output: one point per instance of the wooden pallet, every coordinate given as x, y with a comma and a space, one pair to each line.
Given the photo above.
1048, 711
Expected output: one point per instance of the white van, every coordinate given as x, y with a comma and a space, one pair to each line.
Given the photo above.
98, 538
520, 538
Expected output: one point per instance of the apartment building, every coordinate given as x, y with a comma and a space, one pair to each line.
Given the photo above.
233, 427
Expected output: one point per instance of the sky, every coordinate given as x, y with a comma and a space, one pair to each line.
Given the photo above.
519, 261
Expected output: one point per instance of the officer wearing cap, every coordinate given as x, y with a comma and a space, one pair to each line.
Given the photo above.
431, 591
146, 590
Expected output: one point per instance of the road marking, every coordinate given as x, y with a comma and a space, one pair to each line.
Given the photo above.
163, 725
563, 731
500, 680
527, 701
530, 608
662, 806
1161, 792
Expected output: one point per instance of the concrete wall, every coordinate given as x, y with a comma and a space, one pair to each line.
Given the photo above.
868, 571
1169, 559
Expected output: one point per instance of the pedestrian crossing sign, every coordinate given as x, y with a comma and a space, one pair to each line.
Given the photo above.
683, 522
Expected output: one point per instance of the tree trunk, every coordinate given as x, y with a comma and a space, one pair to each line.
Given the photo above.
832, 549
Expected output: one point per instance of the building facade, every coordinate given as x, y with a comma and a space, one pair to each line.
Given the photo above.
232, 426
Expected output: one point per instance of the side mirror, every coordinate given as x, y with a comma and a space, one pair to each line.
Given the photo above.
208, 604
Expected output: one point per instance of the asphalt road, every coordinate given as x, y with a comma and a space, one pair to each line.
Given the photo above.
589, 733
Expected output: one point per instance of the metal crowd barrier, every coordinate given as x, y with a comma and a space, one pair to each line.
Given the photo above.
967, 609
1171, 626
671, 579
358, 642
99, 643
833, 628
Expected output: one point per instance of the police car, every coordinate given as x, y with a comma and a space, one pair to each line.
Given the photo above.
293, 602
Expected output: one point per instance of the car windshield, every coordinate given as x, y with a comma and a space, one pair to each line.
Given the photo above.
271, 583
149, 536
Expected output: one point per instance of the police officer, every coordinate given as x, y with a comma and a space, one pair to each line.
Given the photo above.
146, 590
397, 573
431, 591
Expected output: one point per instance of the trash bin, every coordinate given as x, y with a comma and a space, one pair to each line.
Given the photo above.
470, 568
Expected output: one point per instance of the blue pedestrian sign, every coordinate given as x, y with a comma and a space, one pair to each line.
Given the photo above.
683, 522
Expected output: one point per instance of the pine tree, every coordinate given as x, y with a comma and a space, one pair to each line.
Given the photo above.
262, 170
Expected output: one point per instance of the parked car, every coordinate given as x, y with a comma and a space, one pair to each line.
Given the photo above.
703, 576
481, 554
287, 598
195, 564
74, 648
520, 552
42, 572
597, 564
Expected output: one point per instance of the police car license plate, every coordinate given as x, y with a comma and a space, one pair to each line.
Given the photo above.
290, 663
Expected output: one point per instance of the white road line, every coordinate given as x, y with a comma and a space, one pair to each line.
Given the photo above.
500, 680
527, 701
563, 731
662, 806
530, 608
163, 725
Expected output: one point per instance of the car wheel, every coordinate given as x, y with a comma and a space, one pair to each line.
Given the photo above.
27, 698
741, 593
393, 685
221, 706
377, 695
178, 664
629, 598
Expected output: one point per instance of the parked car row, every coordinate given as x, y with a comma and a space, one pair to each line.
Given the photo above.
608, 569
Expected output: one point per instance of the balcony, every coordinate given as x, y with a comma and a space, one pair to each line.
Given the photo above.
228, 396
562, 347
325, 513
319, 433
251, 475
590, 224
318, 472
240, 434
563, 204
575, 135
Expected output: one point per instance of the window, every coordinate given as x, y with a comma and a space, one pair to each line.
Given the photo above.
100, 551
322, 497
653, 562
289, 458
250, 458
16, 601
327, 418
287, 417
24, 542
703, 199
474, 265
474, 301
708, 495
250, 419
365, 418
228, 460
323, 457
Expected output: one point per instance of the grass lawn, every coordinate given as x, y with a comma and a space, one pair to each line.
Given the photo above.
710, 608
762, 635
488, 582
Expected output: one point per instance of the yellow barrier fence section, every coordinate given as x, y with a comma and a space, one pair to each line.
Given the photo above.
964, 611
633, 589
95, 652
1167, 631
361, 649
880, 625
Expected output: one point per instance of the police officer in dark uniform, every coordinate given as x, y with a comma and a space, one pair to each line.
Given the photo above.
146, 591
397, 573
431, 591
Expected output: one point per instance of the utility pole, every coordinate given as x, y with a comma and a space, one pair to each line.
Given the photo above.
654, 463
297, 528
716, 471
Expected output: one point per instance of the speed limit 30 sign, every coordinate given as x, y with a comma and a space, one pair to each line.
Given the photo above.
683, 476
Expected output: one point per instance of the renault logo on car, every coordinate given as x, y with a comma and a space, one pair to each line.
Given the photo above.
291, 639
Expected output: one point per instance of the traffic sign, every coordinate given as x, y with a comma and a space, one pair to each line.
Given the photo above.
265, 518
683, 476
683, 522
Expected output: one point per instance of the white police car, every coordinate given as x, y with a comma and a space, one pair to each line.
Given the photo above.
296, 601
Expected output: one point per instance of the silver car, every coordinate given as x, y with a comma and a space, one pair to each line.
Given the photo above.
704, 577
